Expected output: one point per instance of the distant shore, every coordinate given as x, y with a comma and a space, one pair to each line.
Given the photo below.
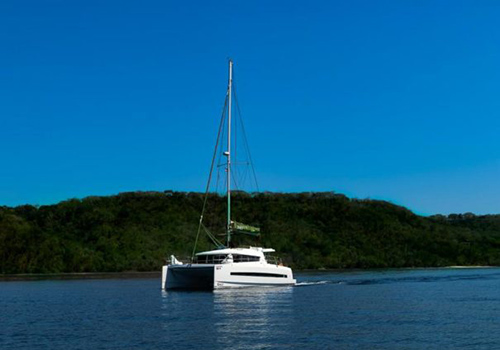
80, 276
157, 274
469, 267
134, 231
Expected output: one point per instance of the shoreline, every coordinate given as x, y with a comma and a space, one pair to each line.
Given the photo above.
157, 274
80, 276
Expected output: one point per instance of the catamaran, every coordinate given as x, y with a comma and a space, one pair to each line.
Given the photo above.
226, 266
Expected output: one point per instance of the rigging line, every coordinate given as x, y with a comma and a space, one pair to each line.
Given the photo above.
223, 117
244, 176
235, 138
215, 241
245, 136
234, 177
235, 174
220, 151
217, 181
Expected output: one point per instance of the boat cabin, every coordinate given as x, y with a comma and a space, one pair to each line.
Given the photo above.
232, 255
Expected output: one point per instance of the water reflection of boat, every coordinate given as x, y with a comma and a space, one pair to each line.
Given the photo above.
227, 266
263, 315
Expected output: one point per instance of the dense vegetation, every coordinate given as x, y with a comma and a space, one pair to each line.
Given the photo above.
137, 231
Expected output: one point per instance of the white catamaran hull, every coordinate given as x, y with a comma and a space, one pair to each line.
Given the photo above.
218, 276
227, 266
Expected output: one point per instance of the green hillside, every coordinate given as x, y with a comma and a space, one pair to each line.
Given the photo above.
137, 231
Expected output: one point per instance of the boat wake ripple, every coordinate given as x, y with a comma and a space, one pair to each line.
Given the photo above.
400, 279
315, 283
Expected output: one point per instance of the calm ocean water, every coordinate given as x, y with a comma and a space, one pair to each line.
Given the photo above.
389, 309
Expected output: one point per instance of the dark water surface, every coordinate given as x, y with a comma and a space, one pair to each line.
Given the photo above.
389, 309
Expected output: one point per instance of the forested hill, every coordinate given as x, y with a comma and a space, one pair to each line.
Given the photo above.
137, 231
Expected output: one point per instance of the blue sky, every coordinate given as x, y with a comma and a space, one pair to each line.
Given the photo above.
394, 100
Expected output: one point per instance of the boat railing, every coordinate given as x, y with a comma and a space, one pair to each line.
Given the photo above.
203, 259
222, 258
184, 260
209, 259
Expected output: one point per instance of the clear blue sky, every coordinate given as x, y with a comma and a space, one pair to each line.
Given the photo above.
394, 100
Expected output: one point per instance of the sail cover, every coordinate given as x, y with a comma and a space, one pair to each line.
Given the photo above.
246, 229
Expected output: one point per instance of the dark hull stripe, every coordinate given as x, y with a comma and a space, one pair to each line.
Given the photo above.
258, 274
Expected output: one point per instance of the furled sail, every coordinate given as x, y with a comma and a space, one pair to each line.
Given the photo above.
243, 228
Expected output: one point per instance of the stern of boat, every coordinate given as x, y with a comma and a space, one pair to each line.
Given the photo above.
193, 277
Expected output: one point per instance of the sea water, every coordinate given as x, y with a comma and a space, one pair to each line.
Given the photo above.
384, 309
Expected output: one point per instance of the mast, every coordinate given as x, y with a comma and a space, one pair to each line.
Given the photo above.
229, 154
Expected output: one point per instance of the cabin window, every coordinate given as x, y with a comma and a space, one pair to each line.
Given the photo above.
218, 259
209, 259
244, 258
